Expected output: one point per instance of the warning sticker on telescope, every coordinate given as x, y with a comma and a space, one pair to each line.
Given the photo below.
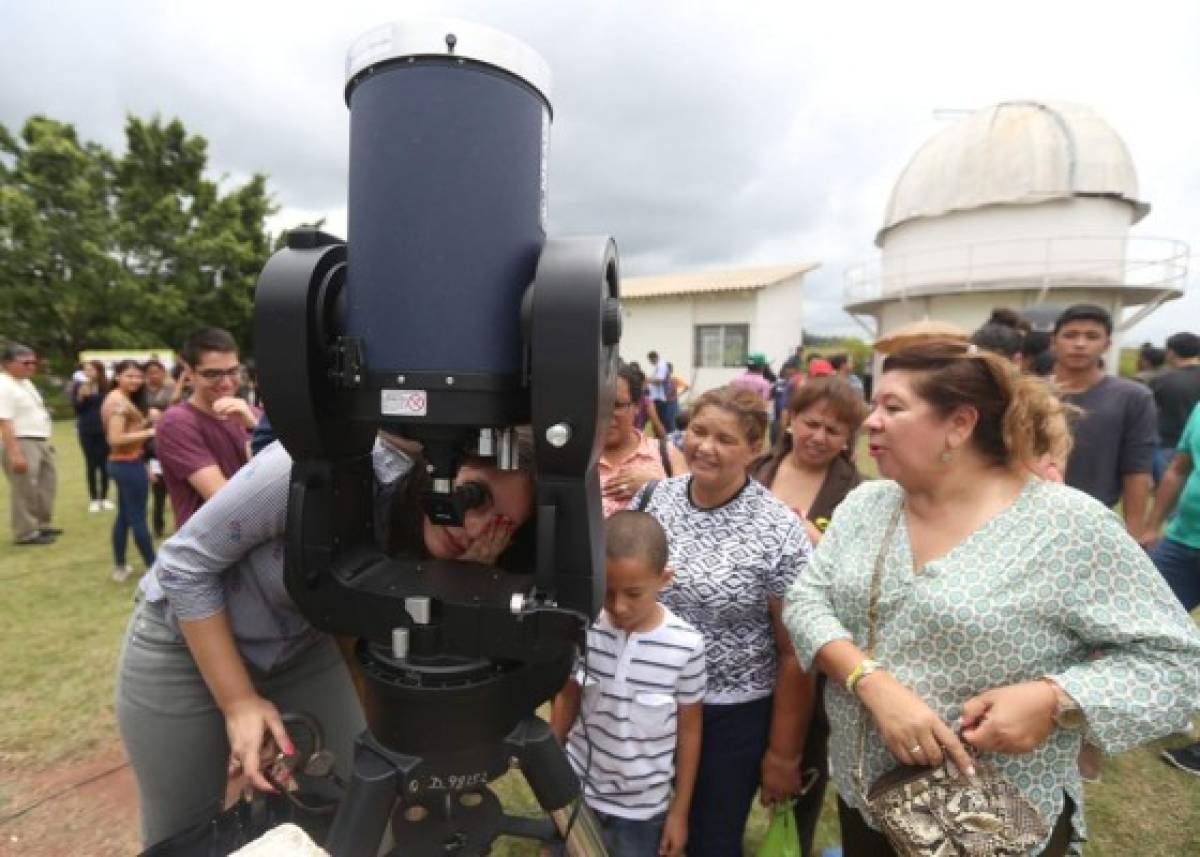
403, 403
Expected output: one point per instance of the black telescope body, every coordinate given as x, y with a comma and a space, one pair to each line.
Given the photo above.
450, 318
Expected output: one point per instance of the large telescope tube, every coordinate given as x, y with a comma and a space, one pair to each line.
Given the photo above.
449, 136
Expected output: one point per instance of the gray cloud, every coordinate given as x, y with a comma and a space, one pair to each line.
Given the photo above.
699, 134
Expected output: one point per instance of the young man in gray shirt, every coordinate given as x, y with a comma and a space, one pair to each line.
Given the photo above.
1117, 433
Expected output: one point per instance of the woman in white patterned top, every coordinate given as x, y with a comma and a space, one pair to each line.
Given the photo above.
996, 587
734, 550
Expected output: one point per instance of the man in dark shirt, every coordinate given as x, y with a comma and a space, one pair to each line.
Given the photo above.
1117, 433
204, 440
1176, 392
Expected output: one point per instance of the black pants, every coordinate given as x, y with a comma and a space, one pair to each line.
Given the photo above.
731, 751
861, 840
158, 504
95, 463
814, 772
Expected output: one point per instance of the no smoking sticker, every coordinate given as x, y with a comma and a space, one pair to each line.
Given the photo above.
403, 403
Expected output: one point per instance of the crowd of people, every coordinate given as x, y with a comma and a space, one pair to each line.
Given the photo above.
774, 622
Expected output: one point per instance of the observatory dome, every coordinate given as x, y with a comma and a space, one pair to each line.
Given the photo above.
1015, 153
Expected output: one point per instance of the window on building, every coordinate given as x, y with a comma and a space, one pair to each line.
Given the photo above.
720, 345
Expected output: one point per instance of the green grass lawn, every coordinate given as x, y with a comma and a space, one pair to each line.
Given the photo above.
61, 620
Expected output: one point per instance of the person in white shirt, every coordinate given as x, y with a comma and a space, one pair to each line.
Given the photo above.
25, 449
630, 716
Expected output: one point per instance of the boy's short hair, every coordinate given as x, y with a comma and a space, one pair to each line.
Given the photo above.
1085, 312
636, 535
204, 340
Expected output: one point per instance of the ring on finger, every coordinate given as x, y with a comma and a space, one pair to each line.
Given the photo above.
916, 749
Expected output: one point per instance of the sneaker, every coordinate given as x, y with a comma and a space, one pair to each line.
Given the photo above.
36, 539
51, 531
107, 505
1187, 759
121, 573
94, 506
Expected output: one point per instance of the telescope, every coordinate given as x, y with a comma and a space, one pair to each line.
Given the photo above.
450, 318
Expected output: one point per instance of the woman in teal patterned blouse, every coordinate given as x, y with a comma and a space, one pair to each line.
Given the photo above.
996, 588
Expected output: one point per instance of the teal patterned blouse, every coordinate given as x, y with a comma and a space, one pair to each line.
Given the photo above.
1033, 592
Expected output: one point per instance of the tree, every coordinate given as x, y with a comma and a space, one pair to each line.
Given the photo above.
98, 251
62, 288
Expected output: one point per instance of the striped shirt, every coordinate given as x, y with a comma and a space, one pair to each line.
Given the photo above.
622, 745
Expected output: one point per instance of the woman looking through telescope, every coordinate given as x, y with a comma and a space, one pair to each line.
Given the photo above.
216, 648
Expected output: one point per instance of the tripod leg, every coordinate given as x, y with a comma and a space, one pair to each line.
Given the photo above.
556, 788
363, 815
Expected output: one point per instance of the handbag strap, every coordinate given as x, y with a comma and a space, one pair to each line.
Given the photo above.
872, 636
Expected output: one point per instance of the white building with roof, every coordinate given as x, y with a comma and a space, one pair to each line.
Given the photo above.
707, 322
1021, 203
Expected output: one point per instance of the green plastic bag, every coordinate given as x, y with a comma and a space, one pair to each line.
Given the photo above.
782, 839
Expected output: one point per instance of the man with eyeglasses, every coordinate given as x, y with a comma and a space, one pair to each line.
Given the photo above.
202, 441
25, 449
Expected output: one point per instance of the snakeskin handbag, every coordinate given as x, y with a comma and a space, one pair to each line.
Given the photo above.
939, 811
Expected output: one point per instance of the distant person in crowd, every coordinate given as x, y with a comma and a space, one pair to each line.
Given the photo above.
794, 361
734, 550
645, 414
1117, 432
1037, 354
641, 684
994, 589
28, 457
1177, 554
630, 459
781, 391
819, 367
127, 427
204, 440
810, 471
1176, 392
216, 648
754, 378
1150, 363
182, 383
1001, 334
160, 394
87, 397
662, 393
843, 367
681, 424
249, 387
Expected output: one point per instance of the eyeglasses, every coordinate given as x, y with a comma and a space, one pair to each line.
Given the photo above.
218, 374
621, 406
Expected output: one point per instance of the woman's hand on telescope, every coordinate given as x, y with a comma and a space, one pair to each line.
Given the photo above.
254, 728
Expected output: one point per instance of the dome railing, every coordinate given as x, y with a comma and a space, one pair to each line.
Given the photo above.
1157, 265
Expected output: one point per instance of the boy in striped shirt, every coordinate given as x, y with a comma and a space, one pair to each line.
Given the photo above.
631, 713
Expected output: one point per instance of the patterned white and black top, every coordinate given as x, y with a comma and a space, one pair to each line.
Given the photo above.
727, 562
631, 689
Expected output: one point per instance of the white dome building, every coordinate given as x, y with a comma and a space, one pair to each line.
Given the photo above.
1020, 203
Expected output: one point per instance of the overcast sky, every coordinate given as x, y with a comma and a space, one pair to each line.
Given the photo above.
699, 134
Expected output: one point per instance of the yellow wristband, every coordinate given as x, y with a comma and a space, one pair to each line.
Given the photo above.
864, 669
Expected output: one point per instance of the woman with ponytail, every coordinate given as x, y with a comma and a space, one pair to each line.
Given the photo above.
995, 585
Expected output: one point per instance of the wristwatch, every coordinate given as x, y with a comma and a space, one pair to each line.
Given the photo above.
864, 669
1067, 712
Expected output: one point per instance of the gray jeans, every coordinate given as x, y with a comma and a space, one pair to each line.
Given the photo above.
174, 734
